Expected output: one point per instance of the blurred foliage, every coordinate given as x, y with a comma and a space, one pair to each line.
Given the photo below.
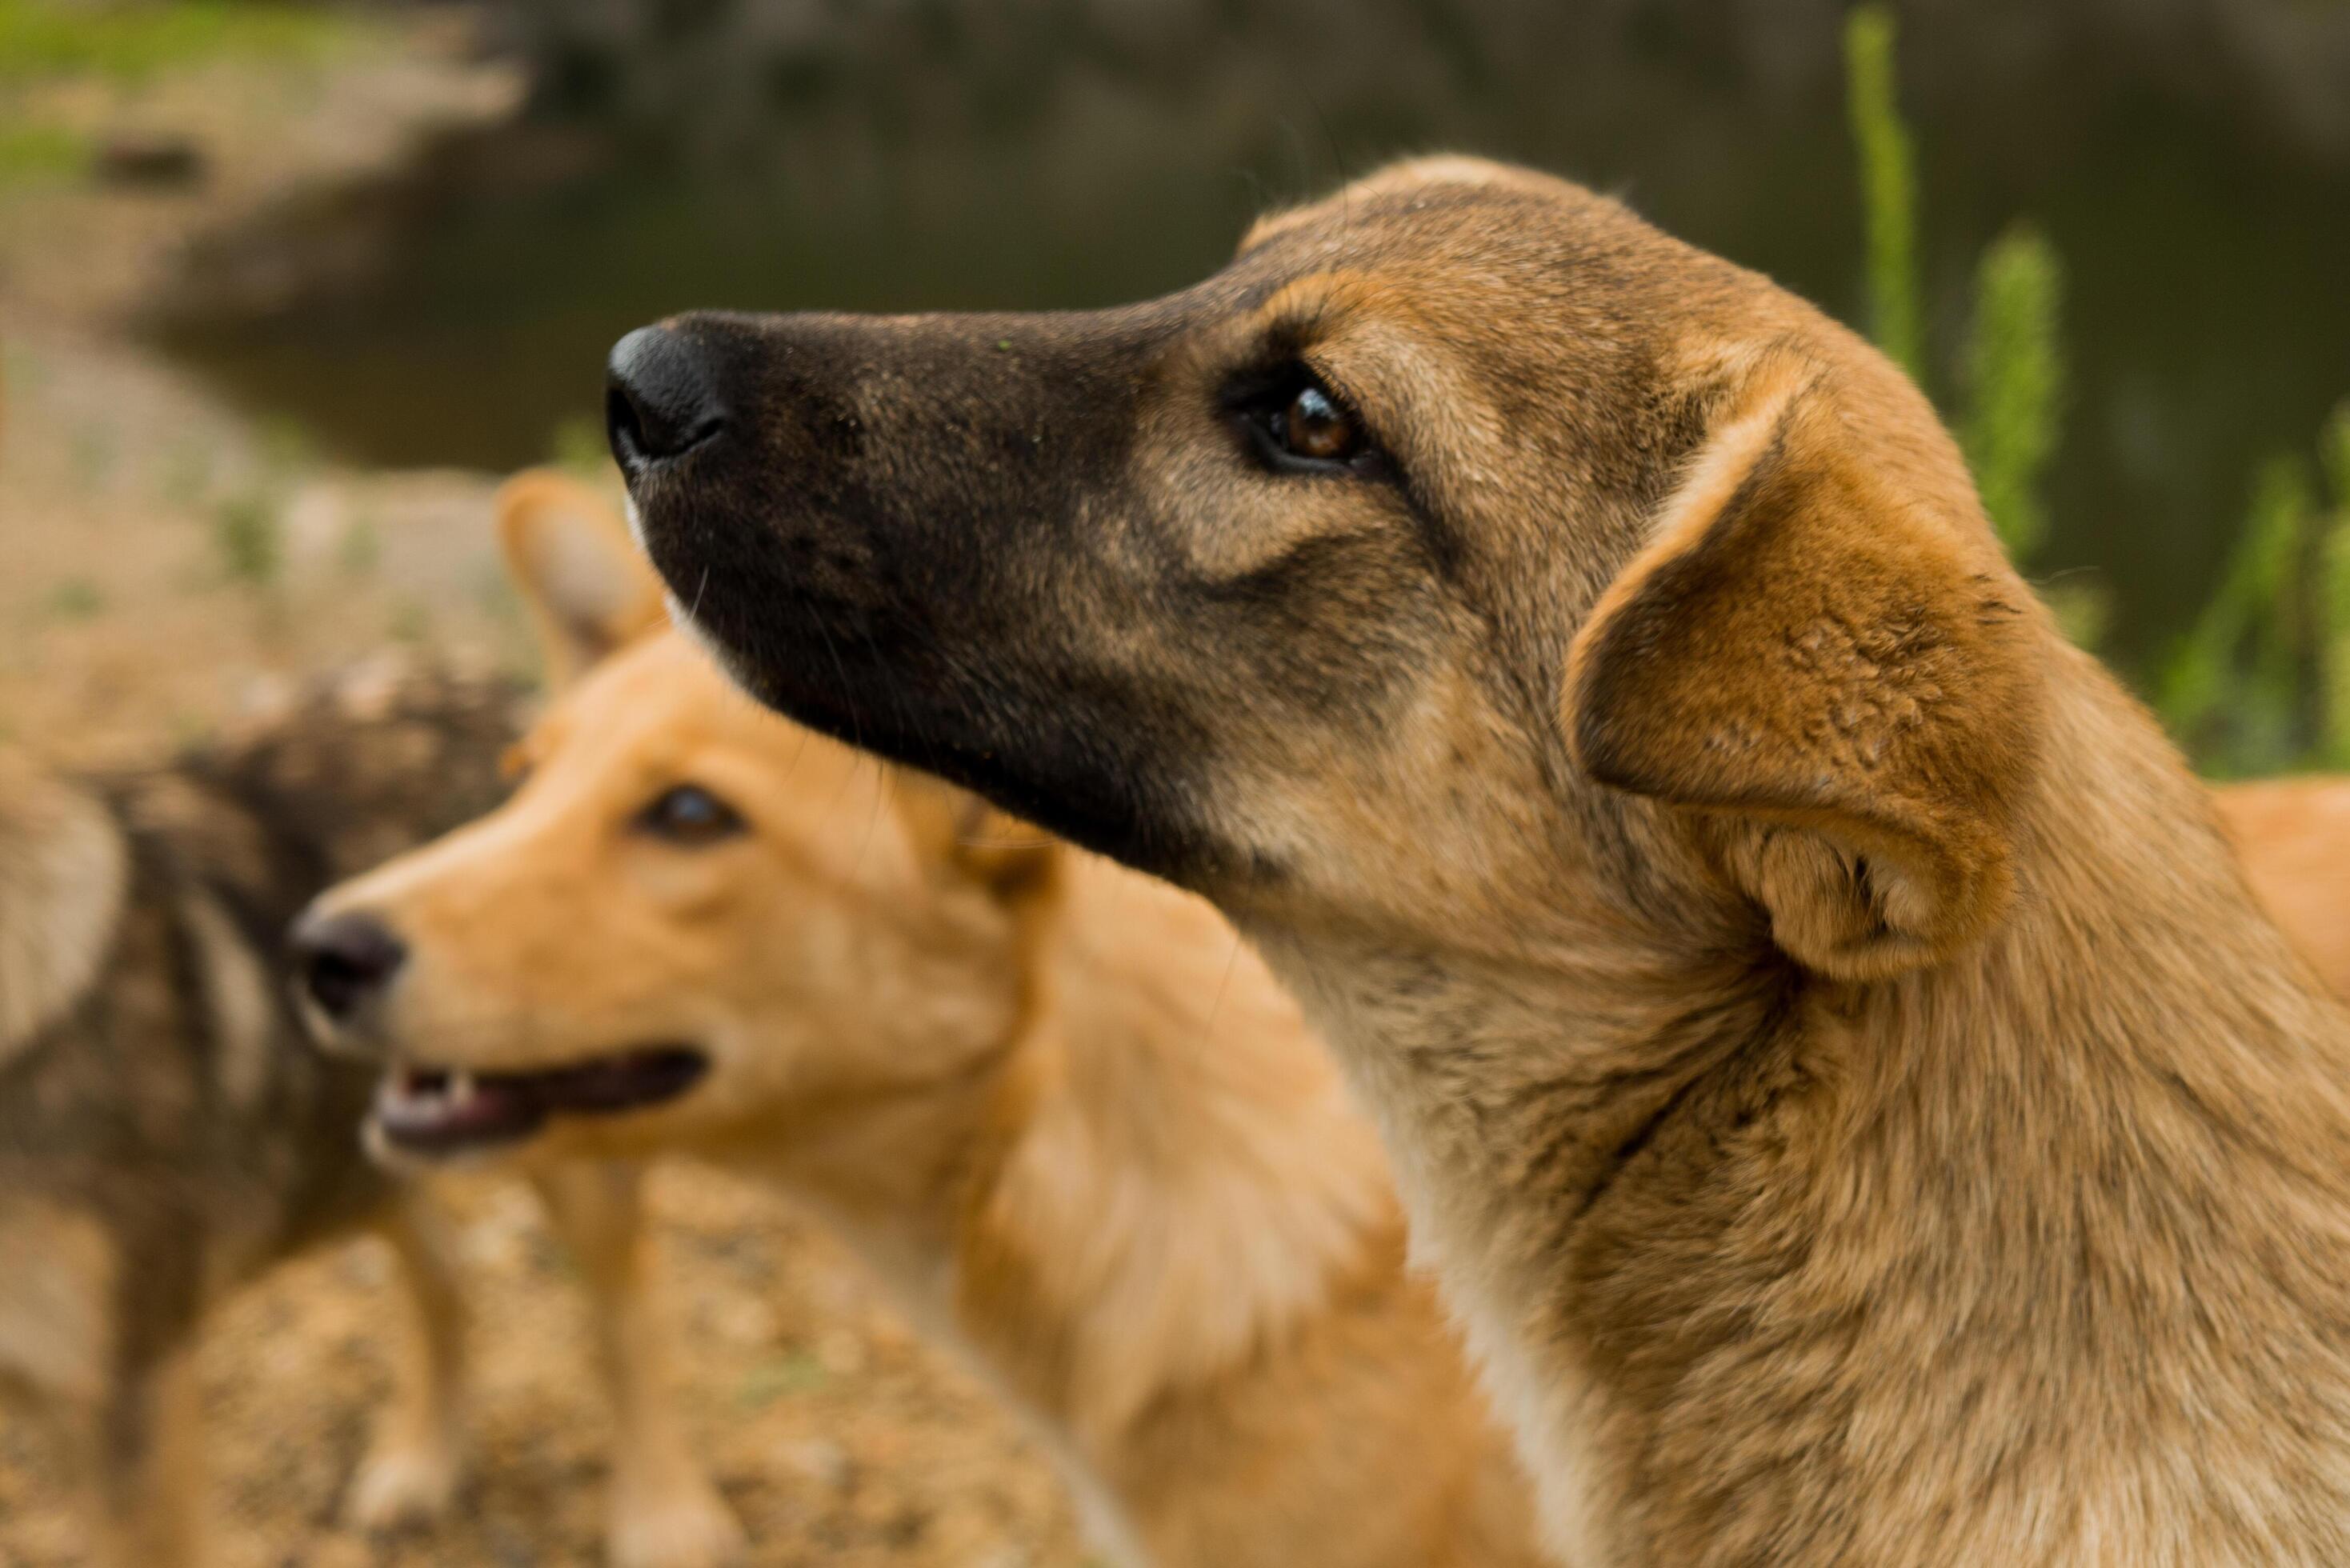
2261, 682
76, 598
2011, 370
248, 539
578, 446
2014, 381
129, 43
249, 526
40, 155
2333, 587
1888, 178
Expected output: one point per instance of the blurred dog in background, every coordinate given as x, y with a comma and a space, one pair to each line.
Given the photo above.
167, 1133
1058, 1107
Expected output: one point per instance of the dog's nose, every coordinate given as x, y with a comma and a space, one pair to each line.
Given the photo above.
343, 960
660, 398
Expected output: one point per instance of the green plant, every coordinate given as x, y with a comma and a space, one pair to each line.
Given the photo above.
248, 538
34, 154
1888, 178
2011, 370
2334, 601
76, 598
2014, 374
2261, 681
131, 42
578, 444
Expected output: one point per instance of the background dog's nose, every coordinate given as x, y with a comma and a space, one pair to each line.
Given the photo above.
660, 401
345, 959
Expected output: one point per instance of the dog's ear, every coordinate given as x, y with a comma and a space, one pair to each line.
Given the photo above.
968, 841
1831, 669
589, 590
1015, 862
63, 869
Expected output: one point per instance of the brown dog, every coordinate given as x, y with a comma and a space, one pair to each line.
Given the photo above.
1828, 1050
1082, 1133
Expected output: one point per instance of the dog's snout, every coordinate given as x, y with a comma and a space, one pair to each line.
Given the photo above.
661, 398
343, 960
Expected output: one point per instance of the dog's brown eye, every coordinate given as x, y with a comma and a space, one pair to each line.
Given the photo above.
1315, 427
690, 815
1295, 424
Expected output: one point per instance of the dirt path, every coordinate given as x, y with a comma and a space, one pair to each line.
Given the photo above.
165, 564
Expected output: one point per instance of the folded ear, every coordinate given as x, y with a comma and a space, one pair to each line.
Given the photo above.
589, 589
1835, 671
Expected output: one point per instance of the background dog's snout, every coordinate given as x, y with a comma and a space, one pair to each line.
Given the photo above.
661, 398
343, 960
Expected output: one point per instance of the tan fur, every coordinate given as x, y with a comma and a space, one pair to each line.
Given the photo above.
61, 879
1063, 1112
1827, 1049
2294, 836
553, 529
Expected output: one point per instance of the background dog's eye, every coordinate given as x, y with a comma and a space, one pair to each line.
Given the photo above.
691, 816
1315, 428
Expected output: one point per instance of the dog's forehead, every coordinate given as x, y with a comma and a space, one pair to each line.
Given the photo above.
1432, 211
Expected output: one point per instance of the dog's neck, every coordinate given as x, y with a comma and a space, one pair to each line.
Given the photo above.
2114, 1132
1156, 1181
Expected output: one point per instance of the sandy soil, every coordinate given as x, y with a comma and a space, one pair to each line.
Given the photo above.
164, 564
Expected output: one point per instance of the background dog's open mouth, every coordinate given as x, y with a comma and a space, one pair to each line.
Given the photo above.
437, 1110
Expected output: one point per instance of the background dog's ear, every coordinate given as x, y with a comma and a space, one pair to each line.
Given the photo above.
589, 589
63, 869
1839, 675
970, 841
1014, 860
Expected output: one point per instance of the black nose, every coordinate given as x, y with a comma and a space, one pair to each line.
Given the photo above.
660, 401
343, 960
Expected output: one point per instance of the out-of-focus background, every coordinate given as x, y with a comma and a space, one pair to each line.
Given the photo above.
285, 288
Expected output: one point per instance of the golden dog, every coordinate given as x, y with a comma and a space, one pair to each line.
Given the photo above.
1063, 1113
1829, 1052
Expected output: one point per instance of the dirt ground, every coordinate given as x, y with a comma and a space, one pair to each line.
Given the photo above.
165, 564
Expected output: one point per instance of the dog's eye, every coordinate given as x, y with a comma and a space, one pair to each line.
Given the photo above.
690, 815
1314, 428
1296, 424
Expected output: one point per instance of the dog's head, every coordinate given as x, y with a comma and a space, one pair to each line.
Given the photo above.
1465, 535
692, 919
